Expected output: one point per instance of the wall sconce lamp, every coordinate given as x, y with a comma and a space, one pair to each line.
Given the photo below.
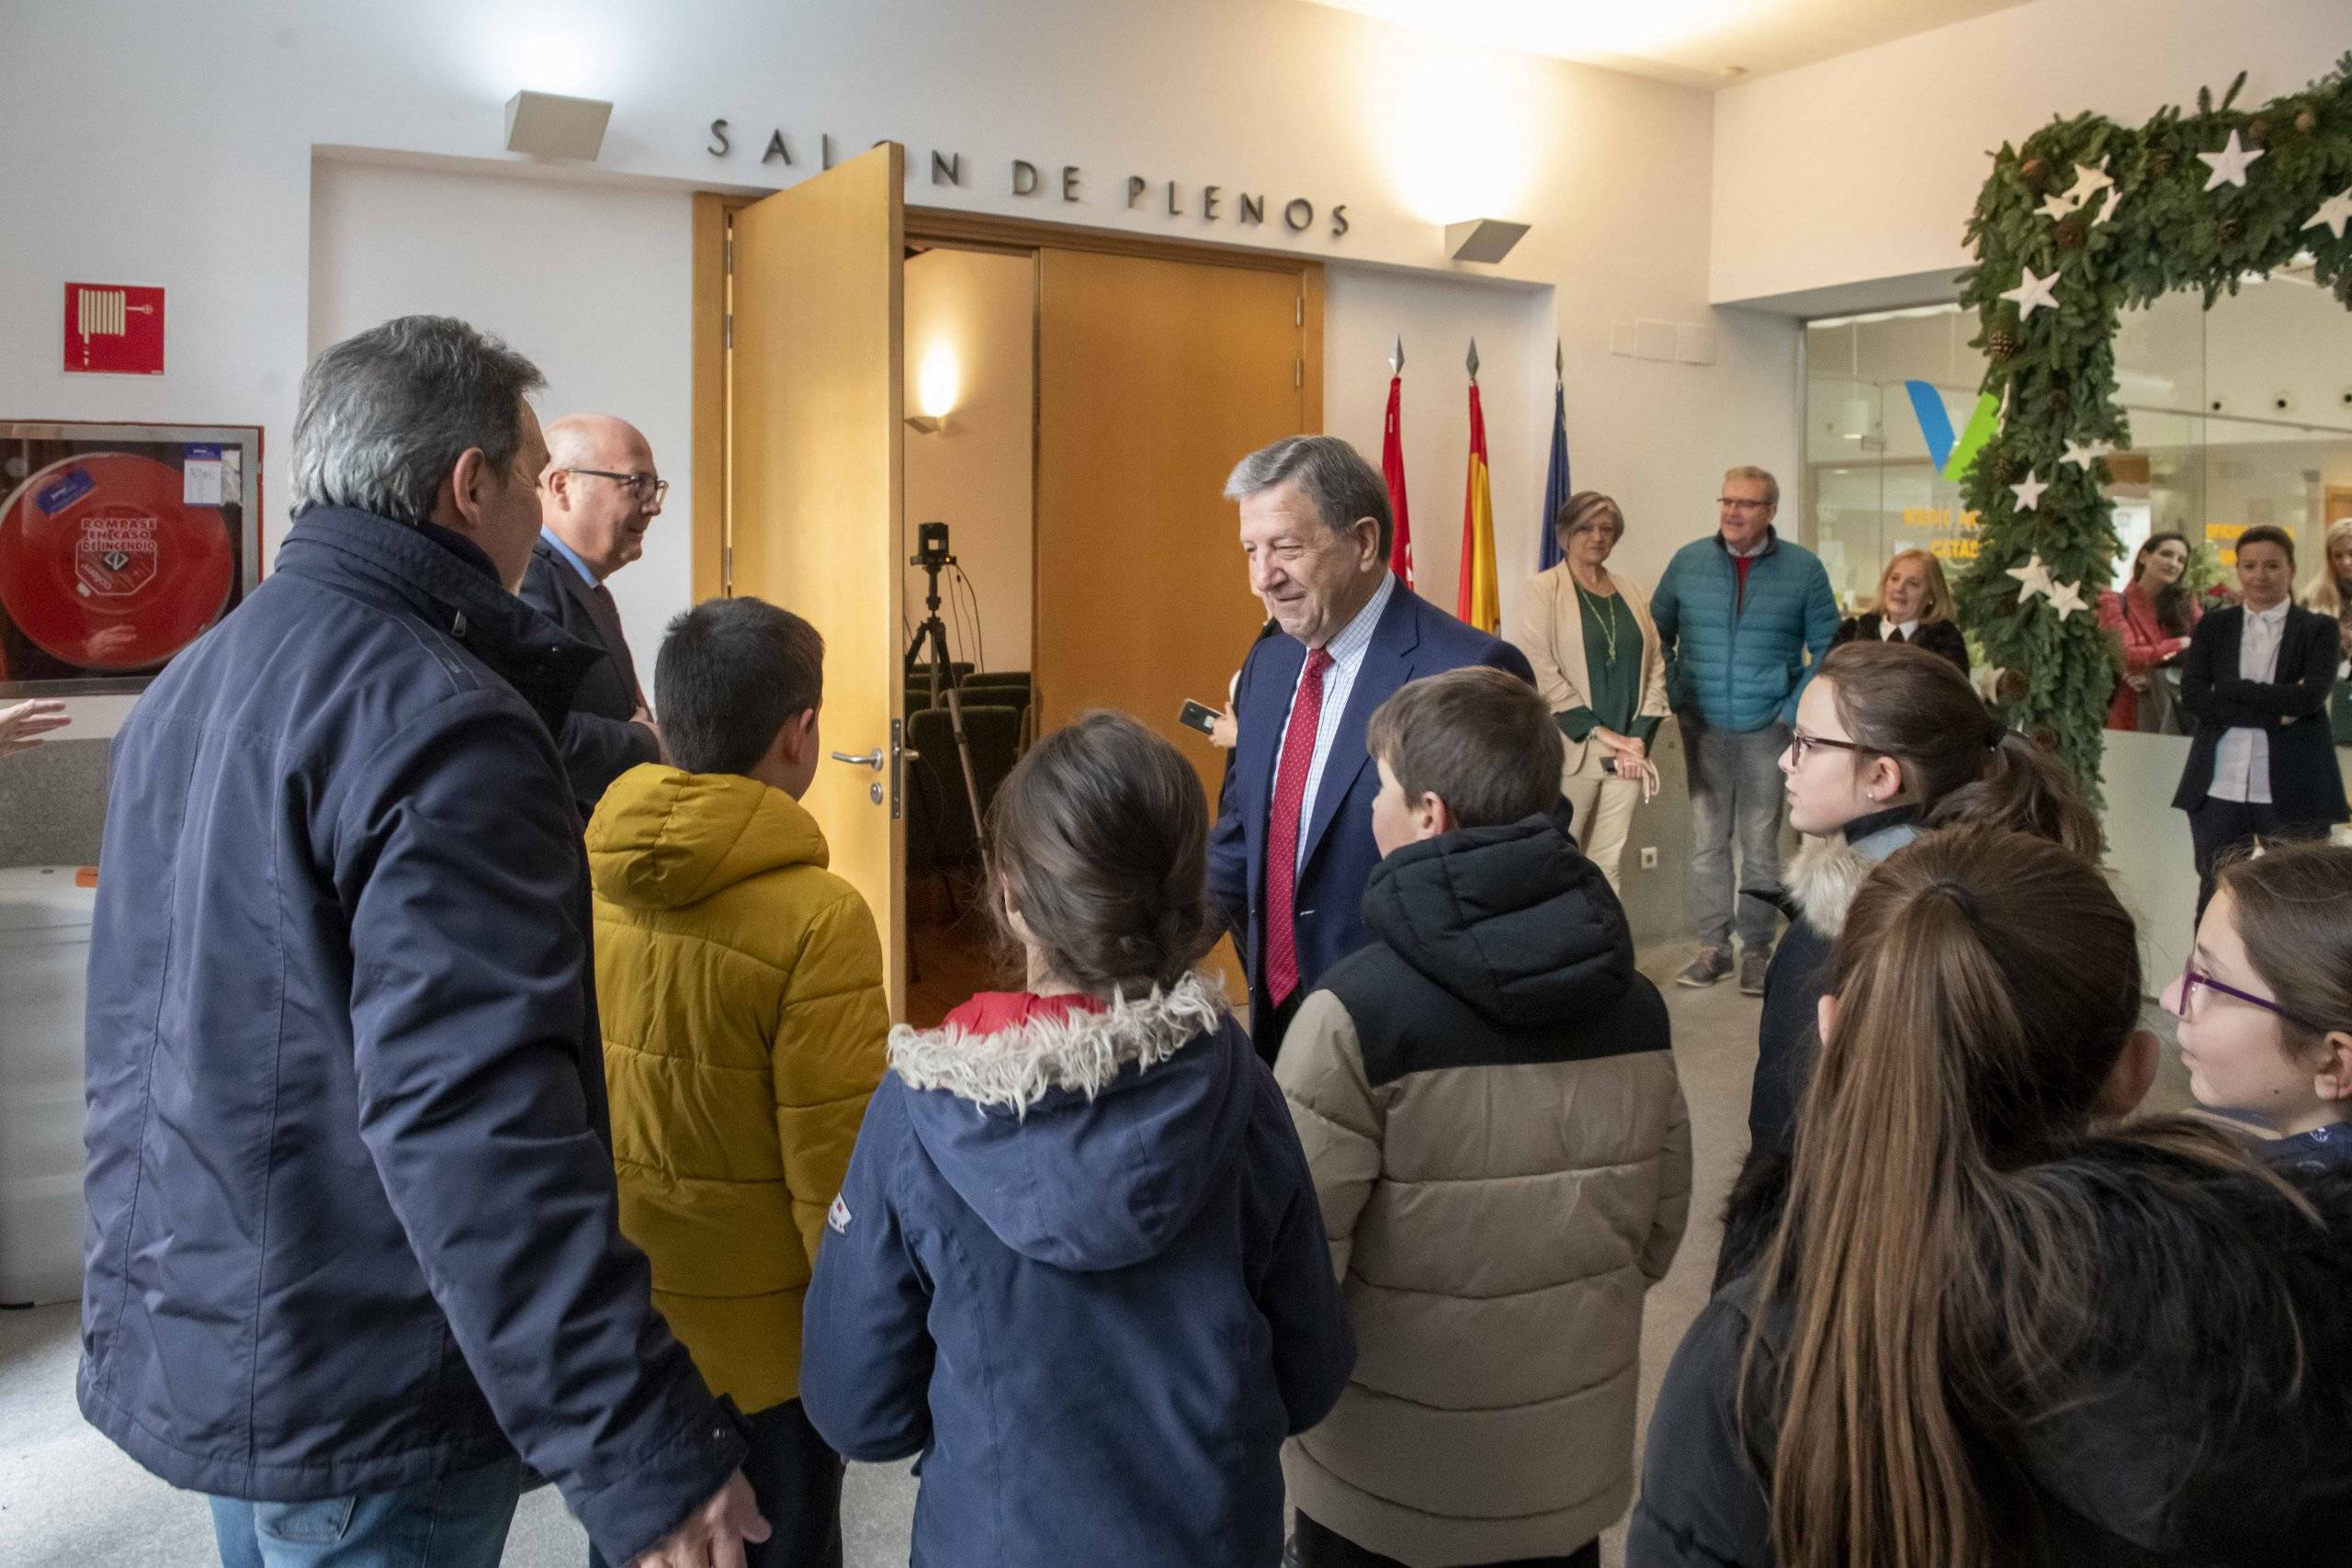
937, 385
1482, 239
549, 124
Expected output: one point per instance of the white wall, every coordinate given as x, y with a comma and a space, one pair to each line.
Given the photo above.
212, 110
1867, 165
561, 271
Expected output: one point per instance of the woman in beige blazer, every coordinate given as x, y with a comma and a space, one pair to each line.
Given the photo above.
1588, 633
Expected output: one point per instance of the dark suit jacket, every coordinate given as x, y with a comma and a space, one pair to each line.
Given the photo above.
598, 742
2306, 786
1413, 638
1936, 636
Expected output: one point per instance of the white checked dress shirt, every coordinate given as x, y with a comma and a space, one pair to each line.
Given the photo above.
2242, 760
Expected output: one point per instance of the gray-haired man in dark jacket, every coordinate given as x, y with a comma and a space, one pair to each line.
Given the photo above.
353, 1258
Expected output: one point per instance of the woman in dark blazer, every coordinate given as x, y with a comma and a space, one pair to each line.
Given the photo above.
2262, 762
1914, 606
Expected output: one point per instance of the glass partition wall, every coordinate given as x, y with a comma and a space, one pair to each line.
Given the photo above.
2239, 415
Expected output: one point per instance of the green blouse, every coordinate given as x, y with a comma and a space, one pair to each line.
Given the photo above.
1614, 692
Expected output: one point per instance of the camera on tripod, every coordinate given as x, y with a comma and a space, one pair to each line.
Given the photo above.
931, 547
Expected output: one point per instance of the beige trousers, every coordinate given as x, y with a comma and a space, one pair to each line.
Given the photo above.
1604, 813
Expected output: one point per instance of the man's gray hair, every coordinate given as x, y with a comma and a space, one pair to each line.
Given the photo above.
386, 414
1330, 472
1759, 476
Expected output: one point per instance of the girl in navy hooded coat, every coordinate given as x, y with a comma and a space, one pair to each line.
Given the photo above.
1077, 1263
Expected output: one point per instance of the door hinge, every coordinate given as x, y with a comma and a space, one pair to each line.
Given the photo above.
727, 569
1298, 373
730, 251
726, 331
1300, 319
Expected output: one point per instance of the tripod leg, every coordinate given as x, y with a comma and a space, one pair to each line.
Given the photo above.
937, 633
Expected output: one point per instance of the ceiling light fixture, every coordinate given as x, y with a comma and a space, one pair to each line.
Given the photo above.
549, 124
1484, 240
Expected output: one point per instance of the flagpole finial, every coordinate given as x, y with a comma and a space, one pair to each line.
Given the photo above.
1559, 361
1396, 360
1472, 359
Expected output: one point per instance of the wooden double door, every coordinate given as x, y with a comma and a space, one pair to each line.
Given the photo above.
1156, 373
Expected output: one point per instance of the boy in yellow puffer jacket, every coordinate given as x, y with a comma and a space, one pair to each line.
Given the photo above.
741, 987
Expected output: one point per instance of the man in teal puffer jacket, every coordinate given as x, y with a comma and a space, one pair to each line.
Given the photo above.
1742, 616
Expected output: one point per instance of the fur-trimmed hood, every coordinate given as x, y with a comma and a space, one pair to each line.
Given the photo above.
1827, 872
1090, 1140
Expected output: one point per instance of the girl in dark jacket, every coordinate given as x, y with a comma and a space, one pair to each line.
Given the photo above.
2266, 1003
1078, 1263
1889, 741
1981, 1331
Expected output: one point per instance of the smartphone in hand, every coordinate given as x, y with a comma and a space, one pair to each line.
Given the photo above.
1197, 715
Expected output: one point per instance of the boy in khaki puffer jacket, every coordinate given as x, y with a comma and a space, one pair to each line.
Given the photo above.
741, 992
1489, 1104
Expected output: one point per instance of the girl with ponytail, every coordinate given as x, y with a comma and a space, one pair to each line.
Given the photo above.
1890, 741
1077, 1264
1985, 1329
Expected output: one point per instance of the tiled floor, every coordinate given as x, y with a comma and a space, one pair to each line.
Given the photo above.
67, 1496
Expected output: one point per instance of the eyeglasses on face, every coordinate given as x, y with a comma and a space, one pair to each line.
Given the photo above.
1740, 504
1801, 743
2195, 982
649, 491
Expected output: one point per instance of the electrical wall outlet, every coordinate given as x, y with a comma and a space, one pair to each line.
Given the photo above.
1649, 857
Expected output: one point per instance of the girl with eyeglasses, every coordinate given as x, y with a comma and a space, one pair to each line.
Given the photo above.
1989, 1327
1890, 741
2266, 1003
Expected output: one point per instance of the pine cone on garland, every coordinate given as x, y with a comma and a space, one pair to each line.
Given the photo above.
2057, 399
2257, 133
2072, 231
2035, 173
2160, 161
2002, 345
2230, 228
2306, 121
2011, 687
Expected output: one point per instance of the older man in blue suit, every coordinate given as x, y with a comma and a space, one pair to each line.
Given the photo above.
1292, 846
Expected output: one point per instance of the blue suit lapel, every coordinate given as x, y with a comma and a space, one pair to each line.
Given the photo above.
1280, 658
1388, 664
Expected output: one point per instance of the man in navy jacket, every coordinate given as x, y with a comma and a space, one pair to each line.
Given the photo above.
1292, 845
353, 1239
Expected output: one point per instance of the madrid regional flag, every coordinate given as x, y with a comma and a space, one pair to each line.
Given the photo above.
1479, 603
1392, 468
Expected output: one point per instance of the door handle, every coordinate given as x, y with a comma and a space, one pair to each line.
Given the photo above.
872, 759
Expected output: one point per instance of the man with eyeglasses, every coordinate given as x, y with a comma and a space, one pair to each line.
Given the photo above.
1742, 617
597, 497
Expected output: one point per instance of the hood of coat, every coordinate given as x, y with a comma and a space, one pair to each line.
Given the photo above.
662, 837
1089, 1140
1513, 920
1826, 874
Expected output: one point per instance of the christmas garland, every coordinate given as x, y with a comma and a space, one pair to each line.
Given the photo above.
2084, 220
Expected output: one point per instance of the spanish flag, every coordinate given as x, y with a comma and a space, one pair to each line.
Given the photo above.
1479, 602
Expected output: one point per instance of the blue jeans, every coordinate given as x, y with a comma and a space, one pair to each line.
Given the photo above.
1735, 790
450, 1521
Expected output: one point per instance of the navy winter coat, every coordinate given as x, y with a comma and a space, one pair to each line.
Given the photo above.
1740, 657
1078, 1265
351, 1211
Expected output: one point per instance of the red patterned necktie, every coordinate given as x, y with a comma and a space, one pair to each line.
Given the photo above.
1282, 829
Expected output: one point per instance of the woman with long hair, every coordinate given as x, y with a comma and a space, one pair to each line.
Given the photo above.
1914, 606
2153, 616
1985, 1327
1587, 632
1889, 741
2330, 593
